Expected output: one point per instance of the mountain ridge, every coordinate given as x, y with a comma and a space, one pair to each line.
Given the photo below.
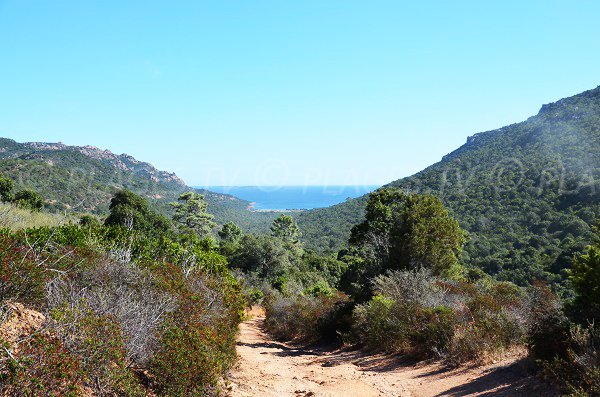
526, 192
84, 178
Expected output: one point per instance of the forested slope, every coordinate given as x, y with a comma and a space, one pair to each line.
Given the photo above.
84, 178
527, 193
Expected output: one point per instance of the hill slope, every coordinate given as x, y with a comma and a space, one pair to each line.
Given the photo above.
84, 178
527, 193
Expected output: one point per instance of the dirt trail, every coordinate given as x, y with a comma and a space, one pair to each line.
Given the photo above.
269, 368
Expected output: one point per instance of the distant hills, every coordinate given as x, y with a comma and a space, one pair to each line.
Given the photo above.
528, 193
84, 178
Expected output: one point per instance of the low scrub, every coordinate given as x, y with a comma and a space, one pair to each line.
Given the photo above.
16, 218
117, 305
567, 353
304, 316
414, 312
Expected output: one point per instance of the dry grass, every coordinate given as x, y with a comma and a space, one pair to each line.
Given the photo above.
15, 218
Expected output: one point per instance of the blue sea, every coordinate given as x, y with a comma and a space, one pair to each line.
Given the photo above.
293, 197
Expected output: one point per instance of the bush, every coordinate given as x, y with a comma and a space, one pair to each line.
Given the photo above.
118, 299
577, 373
97, 343
198, 346
190, 361
22, 276
28, 199
124, 292
41, 366
417, 313
548, 330
305, 317
490, 320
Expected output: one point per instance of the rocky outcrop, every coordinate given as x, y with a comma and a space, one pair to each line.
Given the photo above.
123, 162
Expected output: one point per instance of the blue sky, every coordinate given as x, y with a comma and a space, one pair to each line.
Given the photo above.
287, 92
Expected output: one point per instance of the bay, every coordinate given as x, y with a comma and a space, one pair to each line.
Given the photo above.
280, 198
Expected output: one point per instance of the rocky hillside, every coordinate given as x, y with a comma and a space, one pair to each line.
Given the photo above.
84, 178
45, 151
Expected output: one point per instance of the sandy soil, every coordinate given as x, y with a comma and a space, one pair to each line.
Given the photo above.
269, 368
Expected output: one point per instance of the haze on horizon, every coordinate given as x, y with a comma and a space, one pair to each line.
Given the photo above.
281, 93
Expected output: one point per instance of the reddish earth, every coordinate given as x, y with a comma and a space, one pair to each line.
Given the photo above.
270, 368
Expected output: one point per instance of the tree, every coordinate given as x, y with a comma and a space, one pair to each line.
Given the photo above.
131, 211
230, 232
285, 228
88, 220
190, 212
402, 231
263, 255
28, 199
6, 187
585, 278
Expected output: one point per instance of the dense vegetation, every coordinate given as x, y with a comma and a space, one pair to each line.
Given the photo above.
527, 194
403, 286
131, 305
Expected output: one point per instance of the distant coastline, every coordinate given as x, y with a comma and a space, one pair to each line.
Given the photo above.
292, 198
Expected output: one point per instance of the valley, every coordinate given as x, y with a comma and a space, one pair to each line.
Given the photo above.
476, 276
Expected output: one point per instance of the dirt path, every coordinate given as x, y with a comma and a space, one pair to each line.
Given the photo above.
269, 368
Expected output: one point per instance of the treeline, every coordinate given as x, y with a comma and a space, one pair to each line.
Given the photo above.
133, 304
402, 285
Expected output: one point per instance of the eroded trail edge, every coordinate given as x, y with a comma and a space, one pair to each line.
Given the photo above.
270, 368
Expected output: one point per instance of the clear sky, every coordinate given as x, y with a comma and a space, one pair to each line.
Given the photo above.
287, 92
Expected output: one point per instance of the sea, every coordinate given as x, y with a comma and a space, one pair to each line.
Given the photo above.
282, 198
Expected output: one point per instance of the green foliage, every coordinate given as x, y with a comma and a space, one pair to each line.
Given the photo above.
585, 278
131, 211
416, 313
577, 373
263, 255
98, 345
403, 231
6, 187
89, 221
41, 367
549, 334
230, 233
28, 199
285, 228
198, 347
190, 212
104, 287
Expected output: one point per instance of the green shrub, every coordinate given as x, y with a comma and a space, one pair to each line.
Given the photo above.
420, 314
376, 327
120, 298
190, 361
28, 199
22, 277
548, 329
